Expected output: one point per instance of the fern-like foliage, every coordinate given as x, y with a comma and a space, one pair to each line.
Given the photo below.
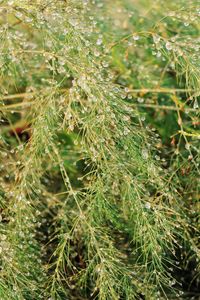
89, 209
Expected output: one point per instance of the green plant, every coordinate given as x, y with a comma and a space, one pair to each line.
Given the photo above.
93, 204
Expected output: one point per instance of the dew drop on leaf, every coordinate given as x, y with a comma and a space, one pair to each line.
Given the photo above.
168, 46
145, 153
196, 105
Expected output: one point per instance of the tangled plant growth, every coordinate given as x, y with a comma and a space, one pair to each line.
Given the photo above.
99, 149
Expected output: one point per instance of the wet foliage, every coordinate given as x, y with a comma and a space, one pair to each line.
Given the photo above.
99, 149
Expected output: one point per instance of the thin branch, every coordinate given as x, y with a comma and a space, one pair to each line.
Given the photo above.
165, 107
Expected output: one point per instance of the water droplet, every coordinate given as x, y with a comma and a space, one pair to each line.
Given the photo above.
168, 46
140, 100
99, 42
10, 2
147, 205
3, 237
196, 104
96, 53
18, 14
145, 153
126, 131
105, 64
136, 37
123, 96
156, 39
187, 146
158, 54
